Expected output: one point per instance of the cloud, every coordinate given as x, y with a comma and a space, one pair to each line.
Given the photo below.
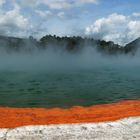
58, 4
62, 4
61, 14
44, 14
49, 14
116, 27
12, 22
31, 3
2, 2
136, 14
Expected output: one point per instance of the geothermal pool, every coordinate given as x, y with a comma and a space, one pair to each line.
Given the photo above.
83, 86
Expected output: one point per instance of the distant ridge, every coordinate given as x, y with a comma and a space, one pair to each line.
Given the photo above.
71, 44
133, 46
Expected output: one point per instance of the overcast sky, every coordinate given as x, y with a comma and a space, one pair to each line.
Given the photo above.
115, 20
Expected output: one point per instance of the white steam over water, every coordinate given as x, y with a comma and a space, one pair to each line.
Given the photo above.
56, 60
48, 60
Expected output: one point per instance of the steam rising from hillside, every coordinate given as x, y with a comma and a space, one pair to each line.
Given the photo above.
56, 60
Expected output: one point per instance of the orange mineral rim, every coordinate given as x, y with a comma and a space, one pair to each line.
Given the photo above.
15, 117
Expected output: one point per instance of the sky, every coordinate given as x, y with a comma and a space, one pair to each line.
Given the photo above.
111, 20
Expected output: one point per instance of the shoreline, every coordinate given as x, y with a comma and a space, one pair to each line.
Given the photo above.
127, 128
16, 117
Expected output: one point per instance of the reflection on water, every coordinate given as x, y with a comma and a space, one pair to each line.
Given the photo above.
64, 89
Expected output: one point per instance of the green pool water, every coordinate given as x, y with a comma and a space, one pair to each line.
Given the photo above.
65, 88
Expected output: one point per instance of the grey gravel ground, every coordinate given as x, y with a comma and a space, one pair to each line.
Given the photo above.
126, 129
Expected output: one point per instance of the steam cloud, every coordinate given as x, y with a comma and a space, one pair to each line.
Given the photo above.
60, 60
